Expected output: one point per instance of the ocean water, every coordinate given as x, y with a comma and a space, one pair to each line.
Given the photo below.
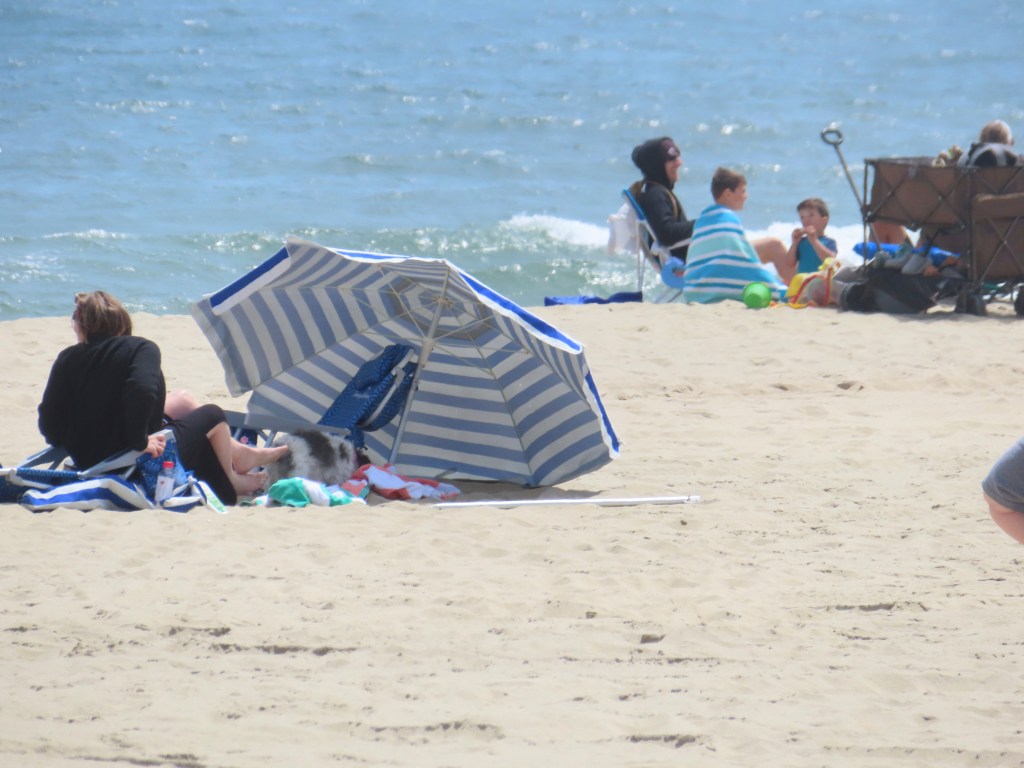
159, 150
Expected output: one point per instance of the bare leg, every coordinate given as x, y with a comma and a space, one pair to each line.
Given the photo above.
244, 483
889, 233
771, 250
178, 403
1010, 521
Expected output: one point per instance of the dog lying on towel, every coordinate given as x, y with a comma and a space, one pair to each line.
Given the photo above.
318, 456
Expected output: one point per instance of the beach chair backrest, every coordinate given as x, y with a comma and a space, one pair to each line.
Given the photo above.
630, 232
650, 251
375, 394
654, 252
913, 192
997, 237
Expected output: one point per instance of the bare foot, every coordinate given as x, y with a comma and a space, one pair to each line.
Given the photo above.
248, 483
245, 458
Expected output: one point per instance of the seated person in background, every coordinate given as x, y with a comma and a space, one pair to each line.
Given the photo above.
888, 233
659, 161
810, 246
993, 147
722, 261
107, 393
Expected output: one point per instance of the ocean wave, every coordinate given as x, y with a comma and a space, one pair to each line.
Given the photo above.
575, 233
88, 235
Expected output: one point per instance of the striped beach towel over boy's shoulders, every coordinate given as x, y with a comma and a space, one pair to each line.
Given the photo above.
721, 261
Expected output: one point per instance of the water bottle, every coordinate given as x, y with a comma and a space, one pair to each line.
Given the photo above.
164, 483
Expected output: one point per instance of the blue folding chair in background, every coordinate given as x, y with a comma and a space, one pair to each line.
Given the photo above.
649, 252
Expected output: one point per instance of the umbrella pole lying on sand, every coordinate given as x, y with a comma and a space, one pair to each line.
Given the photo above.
597, 501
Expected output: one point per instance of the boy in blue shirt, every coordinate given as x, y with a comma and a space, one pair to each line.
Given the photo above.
810, 246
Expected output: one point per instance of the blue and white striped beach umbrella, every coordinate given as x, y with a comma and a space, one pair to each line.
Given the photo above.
497, 394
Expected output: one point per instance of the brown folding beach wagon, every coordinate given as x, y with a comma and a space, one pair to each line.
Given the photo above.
977, 212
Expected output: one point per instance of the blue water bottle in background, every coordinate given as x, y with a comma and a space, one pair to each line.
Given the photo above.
164, 483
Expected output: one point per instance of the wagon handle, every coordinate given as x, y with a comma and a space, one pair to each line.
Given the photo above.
832, 135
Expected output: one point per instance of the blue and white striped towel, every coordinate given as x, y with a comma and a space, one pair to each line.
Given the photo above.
722, 262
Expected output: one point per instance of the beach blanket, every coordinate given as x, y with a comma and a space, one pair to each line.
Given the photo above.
383, 480
721, 261
303, 492
386, 481
110, 492
616, 298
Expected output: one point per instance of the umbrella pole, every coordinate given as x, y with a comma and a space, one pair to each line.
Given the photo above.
596, 501
425, 350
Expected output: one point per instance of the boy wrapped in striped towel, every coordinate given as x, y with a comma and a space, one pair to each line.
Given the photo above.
722, 261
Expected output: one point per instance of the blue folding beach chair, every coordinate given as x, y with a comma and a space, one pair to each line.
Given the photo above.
43, 470
376, 394
122, 482
649, 252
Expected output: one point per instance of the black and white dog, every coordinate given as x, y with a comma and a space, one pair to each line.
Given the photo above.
318, 456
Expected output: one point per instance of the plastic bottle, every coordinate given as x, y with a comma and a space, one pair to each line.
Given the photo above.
164, 483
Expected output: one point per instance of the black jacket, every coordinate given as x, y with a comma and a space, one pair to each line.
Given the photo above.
989, 155
103, 396
654, 194
666, 216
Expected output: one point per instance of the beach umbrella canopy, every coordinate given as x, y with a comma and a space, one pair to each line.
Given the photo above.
496, 393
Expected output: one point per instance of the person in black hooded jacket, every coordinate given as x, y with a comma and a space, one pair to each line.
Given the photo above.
659, 161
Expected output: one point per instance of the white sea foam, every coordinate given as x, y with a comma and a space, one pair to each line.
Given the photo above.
89, 234
576, 233
846, 236
583, 234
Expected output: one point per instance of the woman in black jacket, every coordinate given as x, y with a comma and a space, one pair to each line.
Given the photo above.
659, 161
107, 393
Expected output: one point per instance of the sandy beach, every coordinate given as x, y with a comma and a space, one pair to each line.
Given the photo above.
838, 597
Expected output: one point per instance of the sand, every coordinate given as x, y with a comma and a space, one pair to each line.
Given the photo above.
839, 596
